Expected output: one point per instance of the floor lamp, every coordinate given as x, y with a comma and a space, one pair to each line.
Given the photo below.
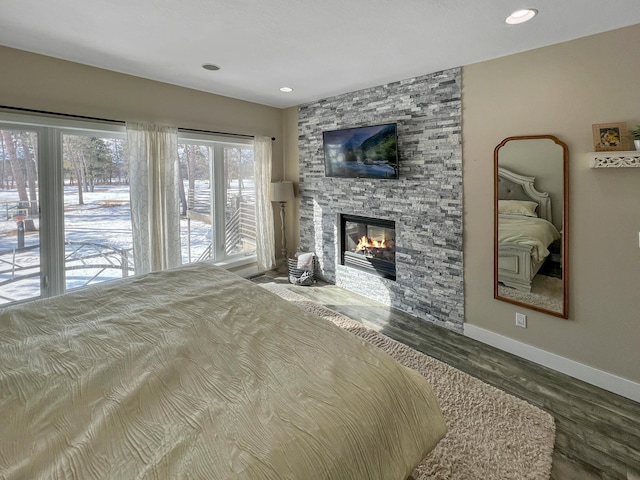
282, 192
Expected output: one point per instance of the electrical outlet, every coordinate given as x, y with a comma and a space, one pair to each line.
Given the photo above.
521, 320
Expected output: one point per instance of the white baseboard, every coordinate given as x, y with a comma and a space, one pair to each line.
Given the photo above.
599, 378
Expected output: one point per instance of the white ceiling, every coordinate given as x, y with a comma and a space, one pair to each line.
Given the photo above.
320, 48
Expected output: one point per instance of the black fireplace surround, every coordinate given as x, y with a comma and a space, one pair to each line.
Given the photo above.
368, 244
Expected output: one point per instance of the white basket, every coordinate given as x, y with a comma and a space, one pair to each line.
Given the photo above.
299, 276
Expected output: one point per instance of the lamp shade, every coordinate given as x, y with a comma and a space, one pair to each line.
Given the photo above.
282, 191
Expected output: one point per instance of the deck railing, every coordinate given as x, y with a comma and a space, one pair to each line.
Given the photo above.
23, 262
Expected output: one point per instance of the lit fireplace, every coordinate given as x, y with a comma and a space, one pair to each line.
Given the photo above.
368, 244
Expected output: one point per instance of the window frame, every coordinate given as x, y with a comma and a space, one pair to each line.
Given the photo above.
50, 131
216, 145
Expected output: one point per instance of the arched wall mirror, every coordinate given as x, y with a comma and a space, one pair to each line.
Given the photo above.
530, 223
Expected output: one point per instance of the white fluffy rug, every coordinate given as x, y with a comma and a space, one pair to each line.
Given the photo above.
492, 435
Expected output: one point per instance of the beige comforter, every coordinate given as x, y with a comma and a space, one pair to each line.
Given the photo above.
536, 232
197, 373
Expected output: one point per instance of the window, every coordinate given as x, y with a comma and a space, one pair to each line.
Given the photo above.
97, 210
19, 215
65, 214
218, 218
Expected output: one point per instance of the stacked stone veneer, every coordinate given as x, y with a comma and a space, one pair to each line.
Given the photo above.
425, 203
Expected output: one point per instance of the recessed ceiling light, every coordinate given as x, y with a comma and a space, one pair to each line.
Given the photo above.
521, 16
286, 89
210, 66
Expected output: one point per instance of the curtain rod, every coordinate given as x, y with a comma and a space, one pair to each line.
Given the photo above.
116, 122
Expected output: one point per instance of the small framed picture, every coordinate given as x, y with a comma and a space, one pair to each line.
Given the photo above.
610, 136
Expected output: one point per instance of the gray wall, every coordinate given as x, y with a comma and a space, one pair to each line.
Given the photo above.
426, 203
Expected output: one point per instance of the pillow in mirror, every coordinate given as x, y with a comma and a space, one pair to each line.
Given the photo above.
518, 207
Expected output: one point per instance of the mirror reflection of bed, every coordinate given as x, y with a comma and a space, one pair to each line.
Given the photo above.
527, 269
529, 202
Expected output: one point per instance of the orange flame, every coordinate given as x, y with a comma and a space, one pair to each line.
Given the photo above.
365, 242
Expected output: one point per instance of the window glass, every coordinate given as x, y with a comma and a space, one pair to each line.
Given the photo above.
48, 247
240, 206
19, 218
228, 203
97, 210
196, 199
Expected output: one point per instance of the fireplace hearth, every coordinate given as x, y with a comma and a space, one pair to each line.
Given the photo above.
368, 244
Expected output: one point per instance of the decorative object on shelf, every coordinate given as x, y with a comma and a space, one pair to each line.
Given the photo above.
614, 159
282, 192
610, 136
635, 135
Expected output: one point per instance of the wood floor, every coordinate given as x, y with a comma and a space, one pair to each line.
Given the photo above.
597, 432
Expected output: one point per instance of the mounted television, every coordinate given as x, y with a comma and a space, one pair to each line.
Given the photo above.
361, 152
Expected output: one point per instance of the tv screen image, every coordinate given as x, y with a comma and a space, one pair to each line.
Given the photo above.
362, 152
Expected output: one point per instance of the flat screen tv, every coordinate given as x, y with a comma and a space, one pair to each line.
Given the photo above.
361, 152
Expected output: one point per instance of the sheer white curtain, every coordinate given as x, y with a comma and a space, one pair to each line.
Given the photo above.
265, 248
154, 177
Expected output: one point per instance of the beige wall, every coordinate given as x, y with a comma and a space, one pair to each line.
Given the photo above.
44, 83
561, 90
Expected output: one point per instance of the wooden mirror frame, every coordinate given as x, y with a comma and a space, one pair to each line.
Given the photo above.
565, 226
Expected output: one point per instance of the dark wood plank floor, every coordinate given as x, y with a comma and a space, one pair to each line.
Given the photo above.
597, 432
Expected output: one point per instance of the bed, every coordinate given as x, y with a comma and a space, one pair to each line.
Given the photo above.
197, 373
524, 231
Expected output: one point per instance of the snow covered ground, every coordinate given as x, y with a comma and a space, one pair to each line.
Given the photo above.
104, 219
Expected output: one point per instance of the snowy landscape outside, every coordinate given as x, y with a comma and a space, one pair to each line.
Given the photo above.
97, 216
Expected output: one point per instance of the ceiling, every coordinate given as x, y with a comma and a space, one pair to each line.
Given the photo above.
320, 48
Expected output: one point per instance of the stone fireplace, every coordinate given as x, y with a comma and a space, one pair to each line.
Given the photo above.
418, 270
368, 244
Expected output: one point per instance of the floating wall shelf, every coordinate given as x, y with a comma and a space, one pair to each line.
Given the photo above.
615, 159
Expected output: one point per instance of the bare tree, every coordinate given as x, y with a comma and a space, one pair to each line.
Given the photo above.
73, 153
17, 151
17, 169
190, 161
3, 178
118, 148
194, 165
30, 155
